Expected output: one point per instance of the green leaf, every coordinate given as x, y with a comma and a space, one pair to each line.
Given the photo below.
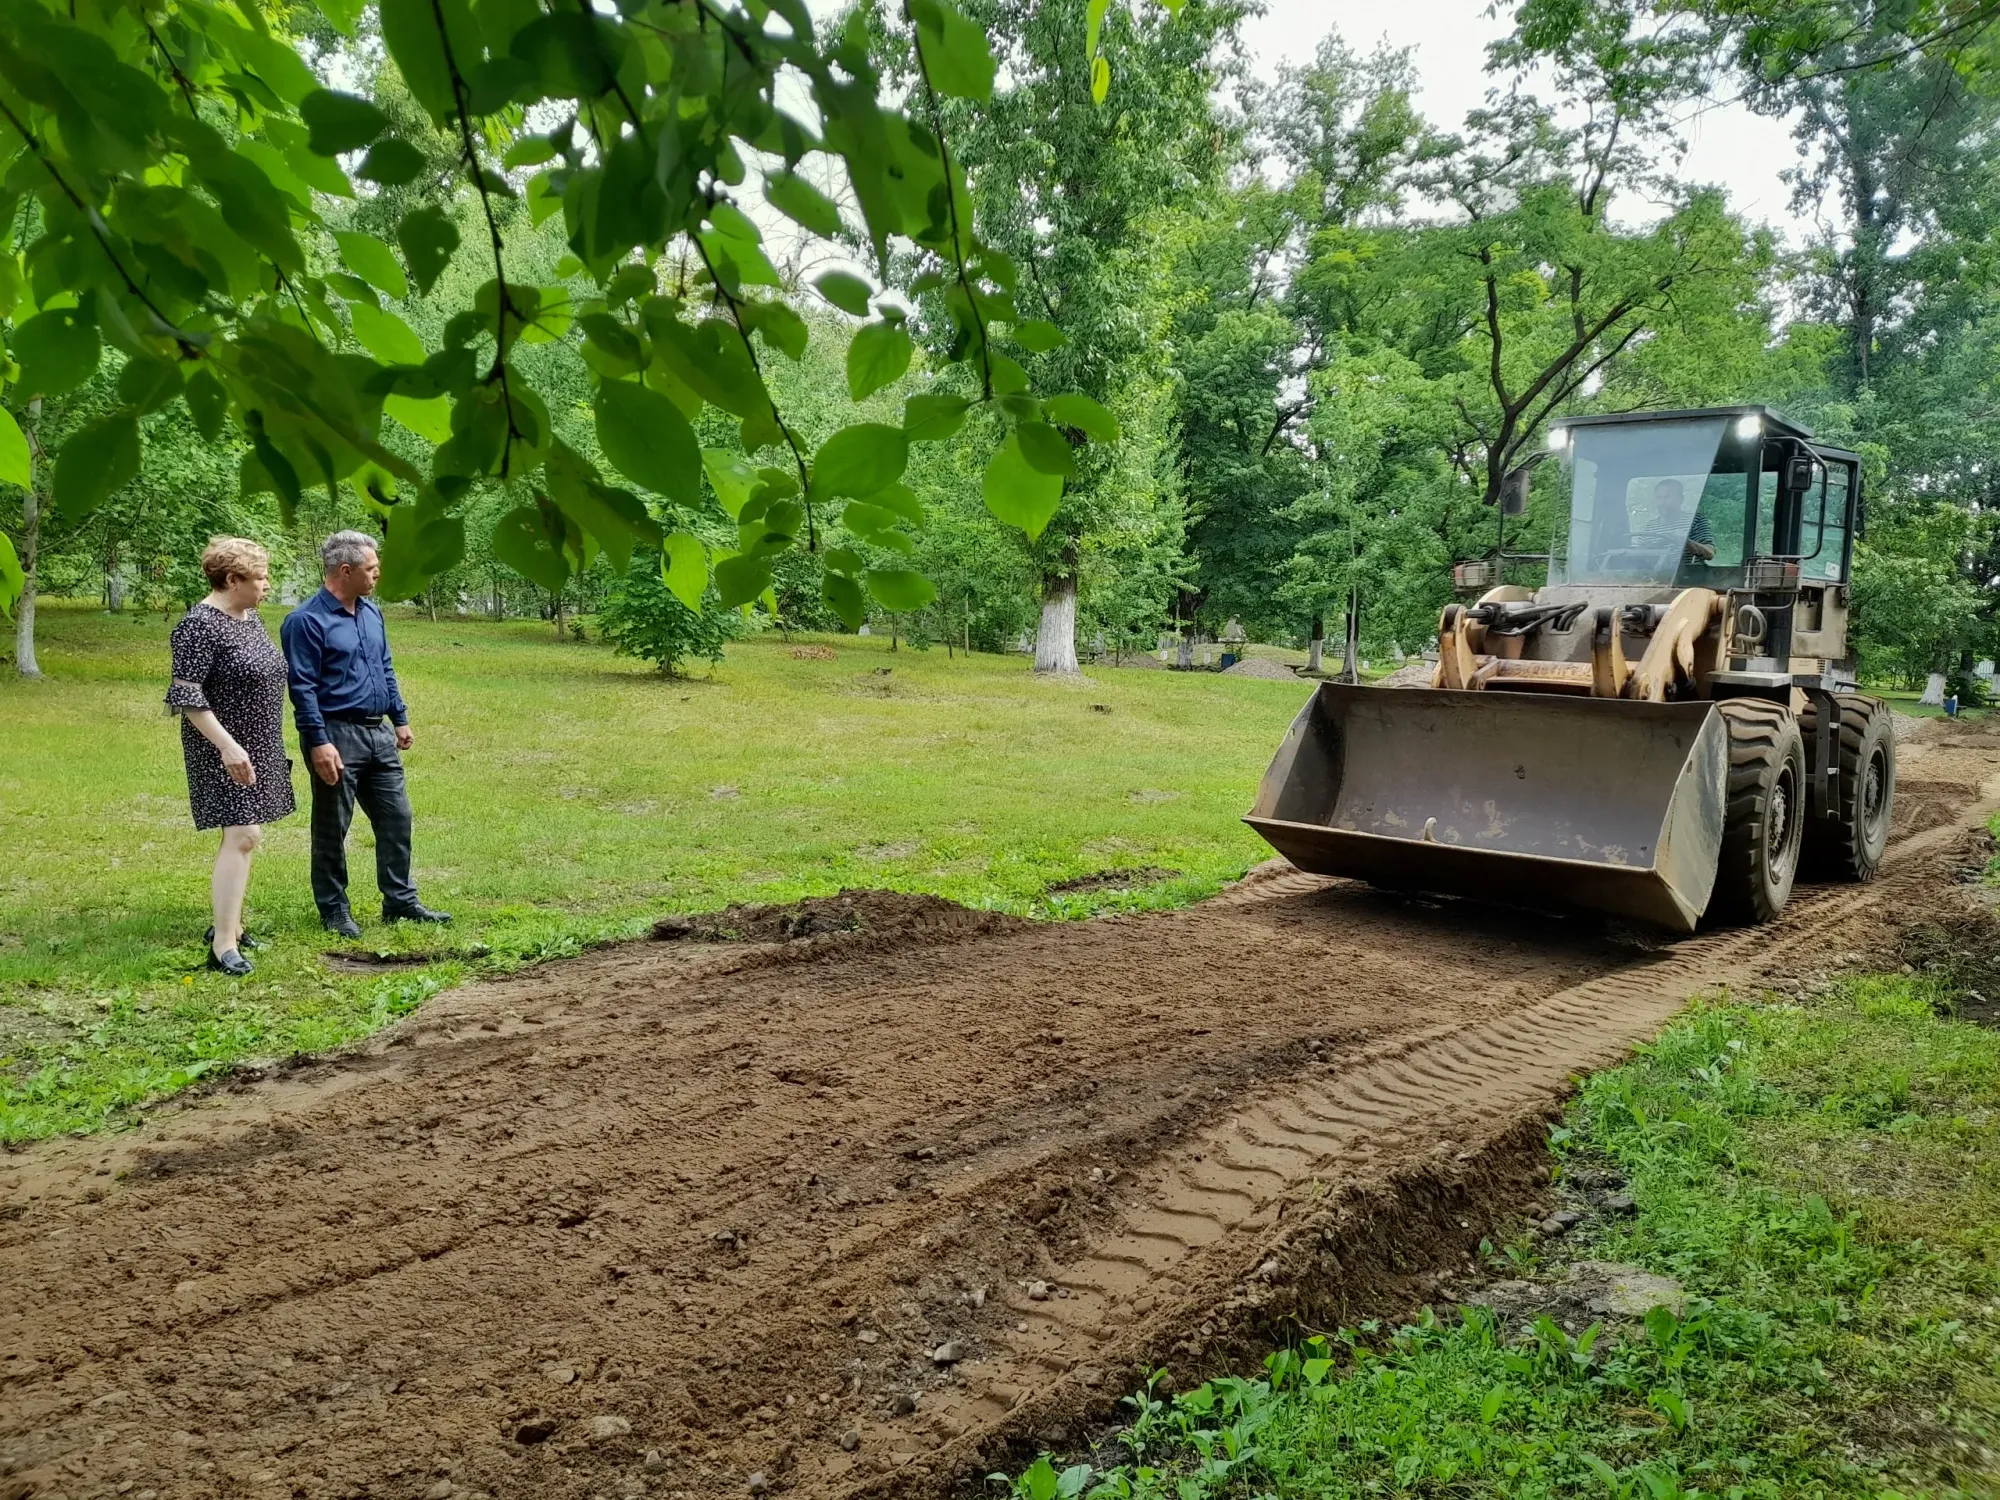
58, 351
1019, 494
429, 419
847, 292
804, 204
649, 441
96, 463
207, 403
957, 59
932, 417
428, 239
1093, 25
410, 30
385, 335
521, 541
859, 460
392, 163
373, 261
900, 590
15, 466
900, 501
146, 384
1045, 448
1039, 336
339, 122
732, 477
13, 581
738, 580
843, 596
845, 560
876, 357
1100, 79
420, 545
1084, 414
684, 568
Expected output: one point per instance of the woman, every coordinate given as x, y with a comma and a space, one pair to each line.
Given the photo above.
229, 689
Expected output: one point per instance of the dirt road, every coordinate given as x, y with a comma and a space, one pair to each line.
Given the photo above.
835, 1217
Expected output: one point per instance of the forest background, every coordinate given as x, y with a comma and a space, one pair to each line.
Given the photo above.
1320, 327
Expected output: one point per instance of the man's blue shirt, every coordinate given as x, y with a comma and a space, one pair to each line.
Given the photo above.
339, 665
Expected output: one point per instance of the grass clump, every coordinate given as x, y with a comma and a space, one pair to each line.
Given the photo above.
1824, 1182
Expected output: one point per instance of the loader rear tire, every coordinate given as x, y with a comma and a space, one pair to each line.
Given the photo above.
1763, 814
1849, 840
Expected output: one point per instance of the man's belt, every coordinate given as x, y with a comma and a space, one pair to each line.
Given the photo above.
375, 718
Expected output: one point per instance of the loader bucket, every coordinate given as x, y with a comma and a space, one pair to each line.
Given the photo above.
1524, 798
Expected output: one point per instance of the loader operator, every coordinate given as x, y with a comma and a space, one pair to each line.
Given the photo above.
1672, 524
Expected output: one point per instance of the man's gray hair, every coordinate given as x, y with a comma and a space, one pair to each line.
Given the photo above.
346, 547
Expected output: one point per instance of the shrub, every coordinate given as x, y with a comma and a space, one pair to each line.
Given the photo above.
641, 618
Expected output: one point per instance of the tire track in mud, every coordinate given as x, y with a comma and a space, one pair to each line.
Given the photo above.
726, 1205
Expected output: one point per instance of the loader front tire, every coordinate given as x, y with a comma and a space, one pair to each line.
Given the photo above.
1764, 811
1848, 842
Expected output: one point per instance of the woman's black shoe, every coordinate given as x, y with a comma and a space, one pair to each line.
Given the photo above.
231, 963
244, 942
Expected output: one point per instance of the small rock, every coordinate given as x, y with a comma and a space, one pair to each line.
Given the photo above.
1038, 1291
560, 1374
1268, 1269
1621, 1203
535, 1430
868, 1335
902, 1404
724, 1237
977, 1296
759, 1485
850, 1440
1552, 1226
608, 1426
442, 1490
656, 1461
1566, 1218
1020, 1328
948, 1353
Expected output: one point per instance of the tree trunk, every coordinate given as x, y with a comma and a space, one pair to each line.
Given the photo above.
1184, 651
31, 537
1055, 639
895, 632
1933, 691
114, 582
1316, 647
1348, 670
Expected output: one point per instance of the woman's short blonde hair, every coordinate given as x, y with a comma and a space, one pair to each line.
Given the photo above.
230, 557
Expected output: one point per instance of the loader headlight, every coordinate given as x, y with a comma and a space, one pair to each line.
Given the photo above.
1750, 426
1558, 439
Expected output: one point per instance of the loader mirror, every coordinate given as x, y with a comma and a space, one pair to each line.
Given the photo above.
1514, 491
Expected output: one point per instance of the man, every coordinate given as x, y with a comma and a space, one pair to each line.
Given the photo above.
343, 689
1669, 496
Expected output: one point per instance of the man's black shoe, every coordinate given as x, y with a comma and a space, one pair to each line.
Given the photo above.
416, 911
244, 942
343, 925
231, 963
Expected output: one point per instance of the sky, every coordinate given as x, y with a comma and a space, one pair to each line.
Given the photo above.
1728, 145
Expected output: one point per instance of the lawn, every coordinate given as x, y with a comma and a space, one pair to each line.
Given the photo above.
565, 796
1823, 1182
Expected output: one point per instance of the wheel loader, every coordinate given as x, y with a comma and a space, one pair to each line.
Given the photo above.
1667, 730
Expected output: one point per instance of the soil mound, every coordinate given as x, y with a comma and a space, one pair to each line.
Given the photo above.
1260, 666
1112, 880
896, 914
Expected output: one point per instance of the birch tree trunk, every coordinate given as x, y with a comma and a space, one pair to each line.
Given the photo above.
1055, 638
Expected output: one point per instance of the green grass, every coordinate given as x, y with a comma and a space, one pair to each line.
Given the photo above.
1906, 703
565, 796
1825, 1183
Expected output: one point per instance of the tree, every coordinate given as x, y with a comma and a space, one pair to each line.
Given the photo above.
1069, 191
168, 186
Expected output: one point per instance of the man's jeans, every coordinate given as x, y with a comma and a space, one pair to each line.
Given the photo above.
373, 776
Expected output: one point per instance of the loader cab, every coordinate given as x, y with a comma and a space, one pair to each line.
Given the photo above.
1690, 499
